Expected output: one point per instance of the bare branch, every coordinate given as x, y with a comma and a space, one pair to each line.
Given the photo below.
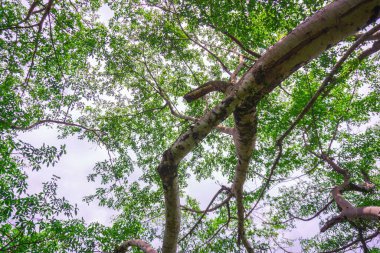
348, 211
233, 77
306, 42
375, 36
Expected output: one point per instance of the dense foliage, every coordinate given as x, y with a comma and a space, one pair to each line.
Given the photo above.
121, 85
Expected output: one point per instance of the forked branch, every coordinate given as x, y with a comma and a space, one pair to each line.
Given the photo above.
348, 211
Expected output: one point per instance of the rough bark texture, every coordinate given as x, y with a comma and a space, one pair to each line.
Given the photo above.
319, 32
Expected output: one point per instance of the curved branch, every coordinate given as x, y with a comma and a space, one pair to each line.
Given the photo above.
56, 122
216, 207
304, 43
328, 79
238, 42
207, 88
370, 237
315, 215
348, 211
245, 117
144, 246
204, 213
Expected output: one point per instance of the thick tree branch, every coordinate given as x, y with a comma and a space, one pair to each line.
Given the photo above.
245, 117
207, 88
142, 245
325, 28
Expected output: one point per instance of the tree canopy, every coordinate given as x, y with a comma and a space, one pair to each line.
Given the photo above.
278, 101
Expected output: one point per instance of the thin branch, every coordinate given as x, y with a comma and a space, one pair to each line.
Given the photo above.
38, 35
375, 36
196, 41
314, 216
238, 42
269, 178
206, 88
375, 48
370, 237
233, 77
56, 122
216, 207
173, 110
203, 214
327, 81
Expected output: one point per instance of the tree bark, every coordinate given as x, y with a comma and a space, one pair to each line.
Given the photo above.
144, 246
324, 29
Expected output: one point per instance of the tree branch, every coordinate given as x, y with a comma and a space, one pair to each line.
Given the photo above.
203, 214
216, 207
233, 77
238, 42
206, 88
370, 237
307, 41
328, 79
142, 245
315, 215
45, 121
375, 47
348, 211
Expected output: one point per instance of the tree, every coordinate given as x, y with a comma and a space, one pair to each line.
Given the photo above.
276, 94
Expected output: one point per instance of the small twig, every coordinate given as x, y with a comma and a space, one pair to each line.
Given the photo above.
238, 42
203, 214
266, 183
